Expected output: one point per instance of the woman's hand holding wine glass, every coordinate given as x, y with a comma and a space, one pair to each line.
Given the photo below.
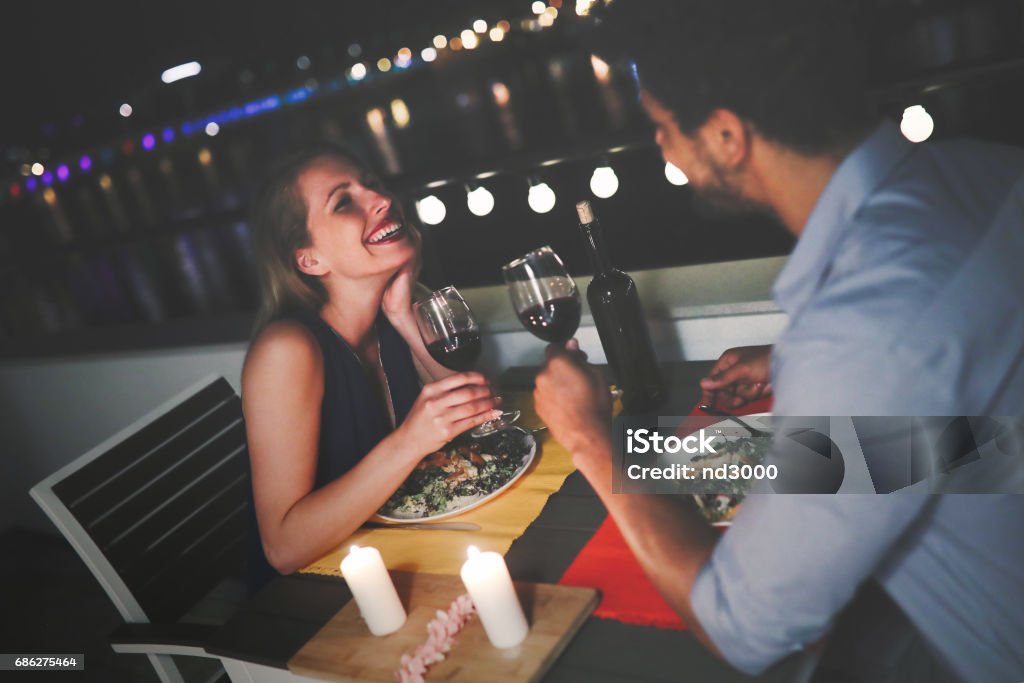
447, 408
452, 337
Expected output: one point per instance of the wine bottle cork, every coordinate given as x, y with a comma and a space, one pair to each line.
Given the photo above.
585, 213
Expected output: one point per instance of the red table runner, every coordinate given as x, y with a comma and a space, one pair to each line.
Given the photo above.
607, 563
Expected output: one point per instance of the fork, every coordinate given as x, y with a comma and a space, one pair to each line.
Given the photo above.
718, 413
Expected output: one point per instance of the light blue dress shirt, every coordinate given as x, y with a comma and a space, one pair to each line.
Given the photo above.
905, 296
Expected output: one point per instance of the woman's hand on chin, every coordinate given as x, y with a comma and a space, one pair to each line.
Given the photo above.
397, 301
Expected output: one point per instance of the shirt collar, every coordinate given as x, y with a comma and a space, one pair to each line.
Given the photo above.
856, 178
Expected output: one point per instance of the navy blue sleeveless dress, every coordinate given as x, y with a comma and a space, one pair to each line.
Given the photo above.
352, 419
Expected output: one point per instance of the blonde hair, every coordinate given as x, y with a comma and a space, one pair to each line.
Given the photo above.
279, 229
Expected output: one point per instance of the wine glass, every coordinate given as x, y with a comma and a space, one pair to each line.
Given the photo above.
544, 295
452, 337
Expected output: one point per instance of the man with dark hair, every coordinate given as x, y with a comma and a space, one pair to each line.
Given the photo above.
904, 296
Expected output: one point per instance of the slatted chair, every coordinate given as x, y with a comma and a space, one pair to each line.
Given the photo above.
158, 513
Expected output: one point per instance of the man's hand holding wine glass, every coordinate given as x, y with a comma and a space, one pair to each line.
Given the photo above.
572, 398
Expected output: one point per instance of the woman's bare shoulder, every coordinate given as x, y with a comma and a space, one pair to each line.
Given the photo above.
284, 345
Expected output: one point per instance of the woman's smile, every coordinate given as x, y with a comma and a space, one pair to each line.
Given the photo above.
387, 231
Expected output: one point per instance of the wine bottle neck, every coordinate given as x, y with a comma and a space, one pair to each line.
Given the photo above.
596, 250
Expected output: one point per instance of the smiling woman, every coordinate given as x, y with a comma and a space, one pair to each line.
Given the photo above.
331, 389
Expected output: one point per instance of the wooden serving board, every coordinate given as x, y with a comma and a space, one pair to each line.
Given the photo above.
344, 649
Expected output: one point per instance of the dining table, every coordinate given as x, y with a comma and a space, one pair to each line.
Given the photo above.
270, 628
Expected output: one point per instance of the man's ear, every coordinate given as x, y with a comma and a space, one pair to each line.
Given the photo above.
728, 138
308, 263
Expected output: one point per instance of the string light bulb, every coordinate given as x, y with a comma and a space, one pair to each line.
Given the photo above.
431, 210
675, 175
917, 124
541, 197
480, 201
604, 183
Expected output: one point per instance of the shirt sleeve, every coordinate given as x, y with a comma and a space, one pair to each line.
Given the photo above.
788, 565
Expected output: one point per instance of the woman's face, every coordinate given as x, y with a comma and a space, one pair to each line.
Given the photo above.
355, 229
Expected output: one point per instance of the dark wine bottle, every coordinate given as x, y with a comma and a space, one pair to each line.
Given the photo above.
620, 322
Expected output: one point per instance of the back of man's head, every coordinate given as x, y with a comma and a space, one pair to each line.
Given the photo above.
793, 69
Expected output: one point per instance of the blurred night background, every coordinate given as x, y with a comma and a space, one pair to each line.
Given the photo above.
123, 198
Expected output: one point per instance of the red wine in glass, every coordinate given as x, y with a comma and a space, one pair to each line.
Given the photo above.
452, 337
459, 352
544, 295
555, 320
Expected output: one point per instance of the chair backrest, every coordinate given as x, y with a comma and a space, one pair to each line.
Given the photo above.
158, 511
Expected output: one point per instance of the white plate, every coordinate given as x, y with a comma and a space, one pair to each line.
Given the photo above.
477, 502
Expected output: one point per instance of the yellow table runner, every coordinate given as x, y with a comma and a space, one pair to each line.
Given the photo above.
501, 521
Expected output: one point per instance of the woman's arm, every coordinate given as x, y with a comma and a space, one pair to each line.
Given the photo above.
282, 391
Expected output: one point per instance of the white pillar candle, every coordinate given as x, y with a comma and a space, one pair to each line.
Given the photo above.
375, 594
490, 586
